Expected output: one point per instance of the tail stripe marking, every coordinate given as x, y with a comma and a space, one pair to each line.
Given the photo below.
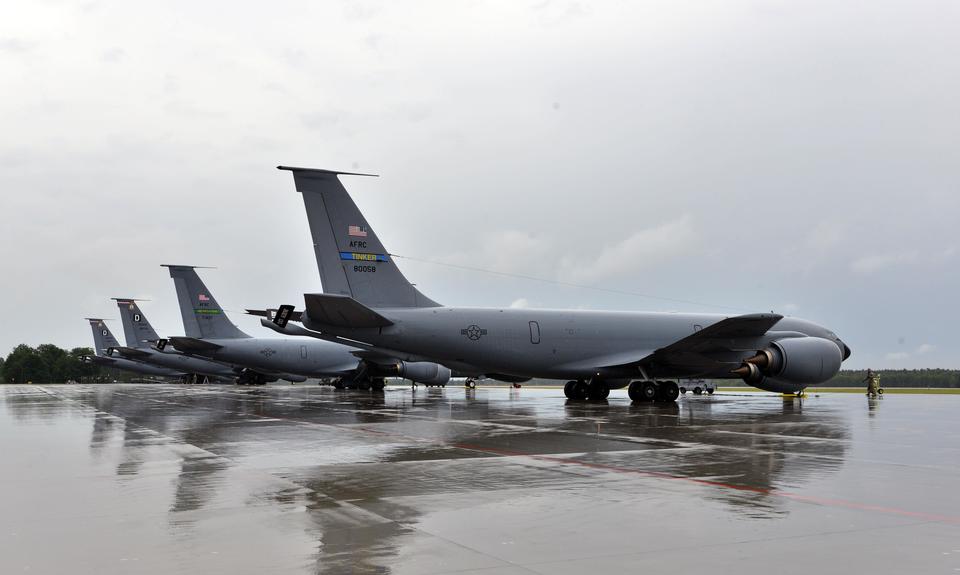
353, 256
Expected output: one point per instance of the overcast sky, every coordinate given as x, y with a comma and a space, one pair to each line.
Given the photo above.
800, 157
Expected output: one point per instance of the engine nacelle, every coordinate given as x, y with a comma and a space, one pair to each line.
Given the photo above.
792, 363
424, 372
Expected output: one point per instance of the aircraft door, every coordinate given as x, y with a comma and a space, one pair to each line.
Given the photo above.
534, 332
303, 352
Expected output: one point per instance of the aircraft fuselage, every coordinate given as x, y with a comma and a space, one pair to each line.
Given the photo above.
309, 358
557, 344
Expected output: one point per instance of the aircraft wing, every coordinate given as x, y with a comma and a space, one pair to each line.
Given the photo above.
375, 355
193, 345
692, 350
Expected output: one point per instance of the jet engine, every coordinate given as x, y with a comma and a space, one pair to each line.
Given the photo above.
792, 364
424, 372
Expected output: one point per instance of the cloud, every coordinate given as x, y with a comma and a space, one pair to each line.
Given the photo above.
714, 171
901, 356
642, 250
15, 45
113, 55
878, 262
514, 252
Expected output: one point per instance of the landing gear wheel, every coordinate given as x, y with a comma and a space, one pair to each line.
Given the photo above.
683, 391
568, 389
710, 390
648, 390
880, 391
598, 390
698, 390
581, 391
378, 385
642, 391
470, 384
668, 391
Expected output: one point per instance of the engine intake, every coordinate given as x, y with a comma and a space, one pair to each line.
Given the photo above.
793, 361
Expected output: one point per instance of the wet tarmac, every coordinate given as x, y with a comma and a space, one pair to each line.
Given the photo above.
302, 479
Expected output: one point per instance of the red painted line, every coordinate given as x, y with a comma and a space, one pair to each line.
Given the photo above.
718, 484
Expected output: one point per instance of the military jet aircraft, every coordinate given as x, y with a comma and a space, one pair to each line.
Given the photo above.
212, 335
141, 338
368, 303
103, 340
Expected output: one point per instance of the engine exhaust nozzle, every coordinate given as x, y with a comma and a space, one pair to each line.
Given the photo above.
749, 372
763, 359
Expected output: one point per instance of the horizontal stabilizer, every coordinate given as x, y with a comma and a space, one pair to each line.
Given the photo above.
131, 352
341, 311
193, 345
271, 313
320, 171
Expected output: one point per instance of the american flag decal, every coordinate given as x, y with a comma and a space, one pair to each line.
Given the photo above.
358, 231
202, 297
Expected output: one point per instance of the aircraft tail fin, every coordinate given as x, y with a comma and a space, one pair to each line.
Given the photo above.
350, 257
136, 329
102, 336
202, 315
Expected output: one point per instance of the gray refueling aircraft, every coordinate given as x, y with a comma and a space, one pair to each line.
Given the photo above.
103, 341
369, 304
141, 338
211, 334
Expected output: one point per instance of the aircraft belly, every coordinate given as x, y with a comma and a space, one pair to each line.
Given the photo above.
531, 344
187, 364
279, 356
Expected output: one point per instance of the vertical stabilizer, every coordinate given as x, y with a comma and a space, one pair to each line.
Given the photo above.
202, 315
136, 329
351, 259
102, 337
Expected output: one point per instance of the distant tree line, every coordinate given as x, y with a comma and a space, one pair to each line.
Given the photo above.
899, 378
48, 363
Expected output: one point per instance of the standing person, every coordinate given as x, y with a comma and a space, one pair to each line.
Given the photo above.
873, 383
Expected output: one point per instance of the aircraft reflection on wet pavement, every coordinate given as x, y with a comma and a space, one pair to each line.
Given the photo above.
308, 480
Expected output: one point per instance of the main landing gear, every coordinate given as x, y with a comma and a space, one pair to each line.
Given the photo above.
362, 384
645, 391
639, 391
